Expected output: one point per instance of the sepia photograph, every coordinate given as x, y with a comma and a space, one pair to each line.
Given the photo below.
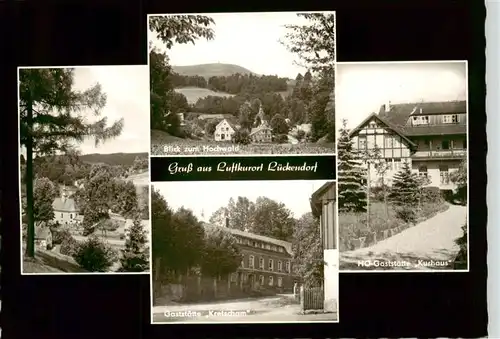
242, 83
244, 252
402, 166
84, 169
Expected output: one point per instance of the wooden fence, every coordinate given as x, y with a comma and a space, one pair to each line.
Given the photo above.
312, 298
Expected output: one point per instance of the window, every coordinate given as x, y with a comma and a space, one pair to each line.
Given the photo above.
268, 247
288, 266
445, 144
262, 245
273, 248
71, 215
271, 280
450, 119
422, 171
255, 244
280, 266
427, 142
243, 263
397, 164
271, 264
261, 263
280, 249
388, 141
222, 136
465, 143
420, 120
61, 215
251, 261
280, 281
444, 174
261, 280
362, 142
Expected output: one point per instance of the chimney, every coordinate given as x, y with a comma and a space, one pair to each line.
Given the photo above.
388, 106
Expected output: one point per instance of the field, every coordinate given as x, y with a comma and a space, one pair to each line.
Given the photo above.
165, 144
210, 70
192, 94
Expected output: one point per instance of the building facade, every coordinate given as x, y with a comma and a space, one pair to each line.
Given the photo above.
261, 134
431, 136
324, 207
65, 210
224, 131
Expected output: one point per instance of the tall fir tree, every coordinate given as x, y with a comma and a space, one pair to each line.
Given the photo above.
352, 195
405, 187
135, 255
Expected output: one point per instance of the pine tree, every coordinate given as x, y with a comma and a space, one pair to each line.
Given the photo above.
405, 187
352, 195
135, 256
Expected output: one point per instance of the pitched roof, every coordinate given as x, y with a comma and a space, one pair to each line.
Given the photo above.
42, 233
233, 126
435, 130
398, 114
287, 245
398, 130
64, 205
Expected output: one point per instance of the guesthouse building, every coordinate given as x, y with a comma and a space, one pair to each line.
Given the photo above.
224, 131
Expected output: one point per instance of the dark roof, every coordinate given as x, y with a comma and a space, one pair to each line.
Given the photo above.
435, 130
398, 130
287, 245
399, 113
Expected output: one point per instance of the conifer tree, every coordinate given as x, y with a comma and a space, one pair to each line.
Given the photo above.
135, 256
405, 187
352, 195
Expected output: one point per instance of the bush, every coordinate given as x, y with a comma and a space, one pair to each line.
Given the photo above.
69, 246
300, 135
406, 214
281, 138
461, 259
431, 193
94, 255
59, 235
242, 137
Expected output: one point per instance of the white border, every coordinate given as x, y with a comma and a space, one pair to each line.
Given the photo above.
239, 154
467, 136
21, 257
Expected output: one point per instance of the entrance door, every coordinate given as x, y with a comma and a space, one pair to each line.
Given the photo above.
251, 280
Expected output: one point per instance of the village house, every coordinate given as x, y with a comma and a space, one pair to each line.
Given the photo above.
324, 207
224, 131
431, 136
266, 263
43, 238
263, 132
65, 210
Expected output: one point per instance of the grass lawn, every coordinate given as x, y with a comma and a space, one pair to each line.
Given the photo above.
382, 217
50, 262
161, 139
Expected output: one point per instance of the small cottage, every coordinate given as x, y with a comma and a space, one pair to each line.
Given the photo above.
224, 131
65, 210
43, 238
263, 132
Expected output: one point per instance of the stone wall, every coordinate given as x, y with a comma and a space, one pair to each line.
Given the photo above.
371, 238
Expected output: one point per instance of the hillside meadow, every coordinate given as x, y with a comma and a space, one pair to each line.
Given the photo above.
192, 94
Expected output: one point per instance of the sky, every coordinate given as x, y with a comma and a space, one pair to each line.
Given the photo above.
363, 87
127, 90
249, 40
208, 196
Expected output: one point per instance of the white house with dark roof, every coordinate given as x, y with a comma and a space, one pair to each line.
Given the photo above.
224, 131
263, 132
65, 210
431, 136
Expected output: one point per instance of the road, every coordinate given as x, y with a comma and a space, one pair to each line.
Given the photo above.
429, 245
265, 309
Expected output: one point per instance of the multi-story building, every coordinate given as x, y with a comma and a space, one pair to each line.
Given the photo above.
431, 136
323, 206
266, 262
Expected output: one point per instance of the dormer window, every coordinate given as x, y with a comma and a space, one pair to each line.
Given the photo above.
450, 119
420, 120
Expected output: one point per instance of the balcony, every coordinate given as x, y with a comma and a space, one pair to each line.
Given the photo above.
446, 154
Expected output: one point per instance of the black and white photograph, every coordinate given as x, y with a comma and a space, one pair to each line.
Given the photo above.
242, 83
402, 166
244, 252
84, 169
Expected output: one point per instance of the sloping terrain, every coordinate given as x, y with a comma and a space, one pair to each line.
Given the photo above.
192, 94
210, 70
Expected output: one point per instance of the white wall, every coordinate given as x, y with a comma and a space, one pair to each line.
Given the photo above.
331, 284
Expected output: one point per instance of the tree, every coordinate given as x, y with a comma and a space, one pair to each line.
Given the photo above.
246, 116
240, 213
52, 116
94, 255
135, 255
459, 178
127, 199
242, 137
405, 193
218, 218
351, 193
44, 193
272, 219
381, 168
279, 125
221, 253
307, 247
322, 108
314, 43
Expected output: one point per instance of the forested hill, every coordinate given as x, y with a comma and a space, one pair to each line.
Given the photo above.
124, 159
210, 70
